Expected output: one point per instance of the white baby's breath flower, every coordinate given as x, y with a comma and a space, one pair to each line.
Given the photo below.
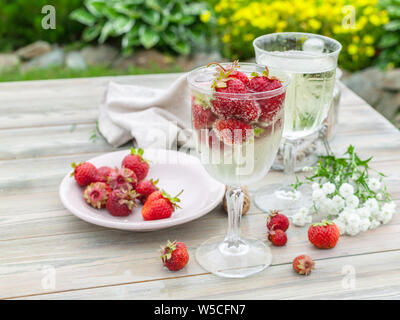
379, 196
341, 225
374, 224
302, 217
353, 219
339, 202
364, 224
304, 211
353, 230
364, 212
346, 190
307, 169
389, 207
318, 194
328, 188
371, 204
315, 186
374, 184
352, 201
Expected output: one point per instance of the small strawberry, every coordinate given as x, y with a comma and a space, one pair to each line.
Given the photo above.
120, 202
277, 220
233, 131
122, 178
85, 173
202, 117
174, 255
324, 235
277, 237
146, 188
96, 194
103, 173
136, 163
159, 205
269, 106
303, 264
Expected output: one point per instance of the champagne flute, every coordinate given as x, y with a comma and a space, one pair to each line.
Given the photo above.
311, 61
236, 152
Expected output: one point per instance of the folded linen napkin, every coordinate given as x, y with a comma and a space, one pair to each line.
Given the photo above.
152, 117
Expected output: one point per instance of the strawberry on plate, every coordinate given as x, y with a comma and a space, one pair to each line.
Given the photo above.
174, 255
146, 188
160, 205
324, 234
96, 194
120, 202
136, 163
84, 173
122, 178
103, 173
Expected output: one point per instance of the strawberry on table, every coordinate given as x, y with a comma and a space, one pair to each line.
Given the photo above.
96, 194
277, 237
160, 205
146, 188
84, 173
122, 178
136, 163
277, 220
303, 264
120, 202
174, 255
324, 234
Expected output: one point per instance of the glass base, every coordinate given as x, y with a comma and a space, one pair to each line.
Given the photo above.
251, 256
274, 197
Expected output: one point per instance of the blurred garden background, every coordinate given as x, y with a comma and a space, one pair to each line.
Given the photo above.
124, 37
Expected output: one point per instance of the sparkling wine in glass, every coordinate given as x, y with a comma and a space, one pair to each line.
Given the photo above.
237, 137
311, 62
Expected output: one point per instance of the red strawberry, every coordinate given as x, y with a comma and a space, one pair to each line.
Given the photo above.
202, 117
159, 205
277, 237
233, 131
136, 163
324, 235
174, 255
103, 173
96, 194
122, 178
303, 264
120, 202
85, 173
269, 106
146, 188
277, 220
241, 76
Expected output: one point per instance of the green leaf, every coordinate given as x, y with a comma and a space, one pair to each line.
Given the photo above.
122, 25
82, 16
182, 47
95, 7
170, 37
106, 31
151, 17
91, 33
389, 40
131, 38
148, 37
393, 25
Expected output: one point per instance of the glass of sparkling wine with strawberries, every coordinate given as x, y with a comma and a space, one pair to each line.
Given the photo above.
311, 62
237, 118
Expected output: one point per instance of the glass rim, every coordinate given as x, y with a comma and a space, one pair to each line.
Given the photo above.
269, 35
250, 95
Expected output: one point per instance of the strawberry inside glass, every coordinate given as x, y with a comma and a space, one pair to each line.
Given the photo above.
237, 119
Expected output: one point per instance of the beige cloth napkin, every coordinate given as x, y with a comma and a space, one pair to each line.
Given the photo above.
154, 118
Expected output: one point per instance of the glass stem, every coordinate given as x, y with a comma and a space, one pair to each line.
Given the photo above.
289, 164
235, 199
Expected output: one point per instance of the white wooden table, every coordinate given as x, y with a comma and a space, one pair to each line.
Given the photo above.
47, 253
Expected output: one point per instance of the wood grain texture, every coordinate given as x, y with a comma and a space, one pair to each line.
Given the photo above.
37, 146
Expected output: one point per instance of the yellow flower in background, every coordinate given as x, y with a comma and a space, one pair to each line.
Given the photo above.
356, 39
352, 49
280, 26
226, 38
370, 51
368, 39
248, 37
205, 16
315, 24
375, 20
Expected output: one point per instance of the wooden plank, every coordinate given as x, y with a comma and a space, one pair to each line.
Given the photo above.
371, 276
109, 257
